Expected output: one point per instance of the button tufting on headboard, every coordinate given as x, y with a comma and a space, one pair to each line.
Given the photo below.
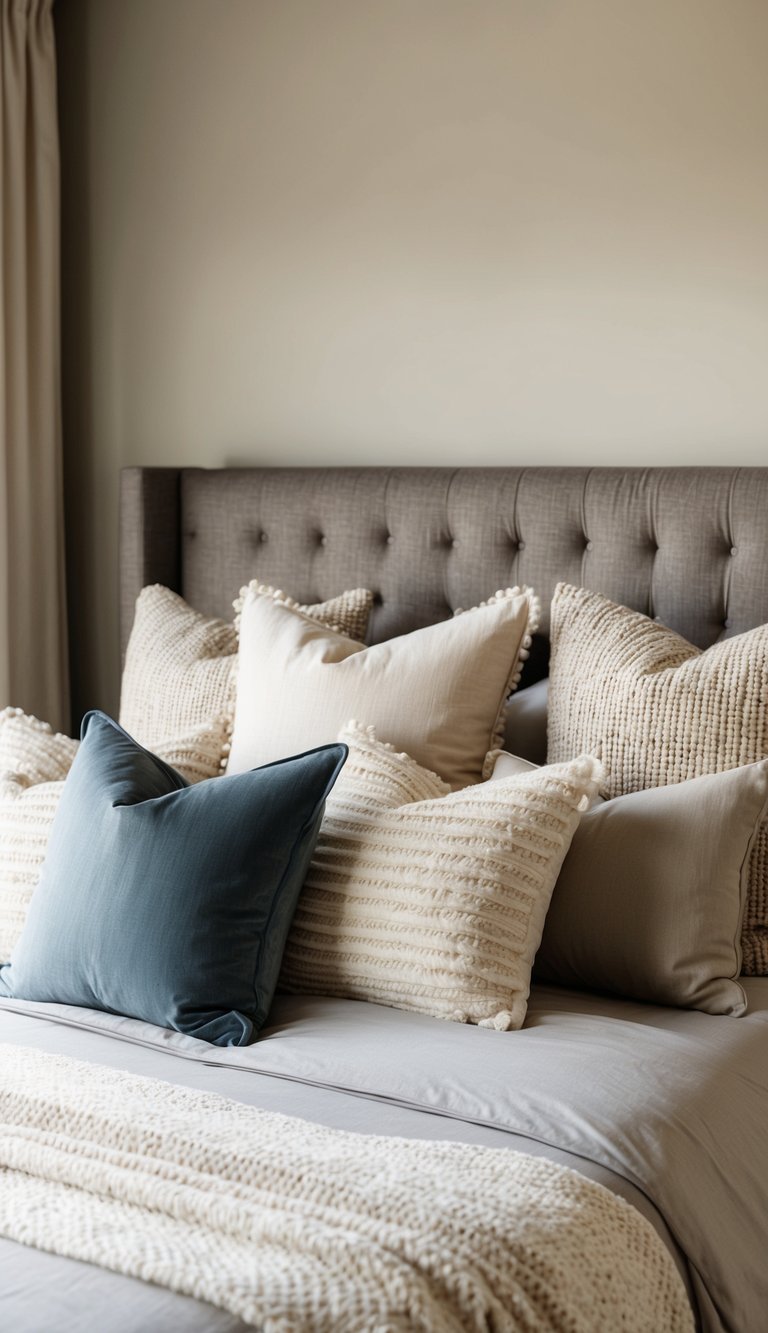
677, 543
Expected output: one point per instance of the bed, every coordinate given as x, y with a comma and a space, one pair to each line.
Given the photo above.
665, 1107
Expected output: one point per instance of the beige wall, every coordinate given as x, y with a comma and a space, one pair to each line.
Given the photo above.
405, 231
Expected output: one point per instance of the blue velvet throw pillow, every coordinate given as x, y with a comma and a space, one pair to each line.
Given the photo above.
166, 902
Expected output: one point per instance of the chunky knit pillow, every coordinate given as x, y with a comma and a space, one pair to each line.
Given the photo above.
34, 761
179, 664
429, 900
658, 711
438, 693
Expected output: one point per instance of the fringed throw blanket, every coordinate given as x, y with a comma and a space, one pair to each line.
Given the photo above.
295, 1227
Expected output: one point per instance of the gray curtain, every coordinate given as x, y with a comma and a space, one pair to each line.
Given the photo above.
33, 656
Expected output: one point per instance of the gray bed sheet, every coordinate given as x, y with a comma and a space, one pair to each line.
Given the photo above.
667, 1108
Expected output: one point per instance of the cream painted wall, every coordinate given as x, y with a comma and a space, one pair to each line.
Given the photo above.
373, 231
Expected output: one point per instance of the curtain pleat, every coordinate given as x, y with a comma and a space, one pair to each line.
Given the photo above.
33, 647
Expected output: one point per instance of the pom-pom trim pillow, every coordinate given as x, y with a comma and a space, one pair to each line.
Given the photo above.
437, 693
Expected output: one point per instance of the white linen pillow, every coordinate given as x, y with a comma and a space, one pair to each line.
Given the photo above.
179, 664
501, 764
437, 693
34, 761
431, 900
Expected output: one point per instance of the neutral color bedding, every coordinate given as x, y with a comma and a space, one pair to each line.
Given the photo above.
666, 1107
294, 1227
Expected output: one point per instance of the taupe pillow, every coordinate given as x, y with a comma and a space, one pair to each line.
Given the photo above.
431, 900
651, 895
525, 723
180, 665
437, 693
658, 710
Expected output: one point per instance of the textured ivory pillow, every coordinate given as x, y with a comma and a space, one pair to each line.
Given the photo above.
34, 760
431, 900
658, 711
651, 895
179, 664
33, 765
437, 693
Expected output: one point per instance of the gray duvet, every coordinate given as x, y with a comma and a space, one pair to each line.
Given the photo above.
667, 1108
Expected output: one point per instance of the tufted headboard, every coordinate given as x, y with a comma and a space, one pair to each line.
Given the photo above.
687, 545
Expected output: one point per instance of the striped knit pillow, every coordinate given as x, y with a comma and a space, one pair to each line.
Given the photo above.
428, 900
659, 710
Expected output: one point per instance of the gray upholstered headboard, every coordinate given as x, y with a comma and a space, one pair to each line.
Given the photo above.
688, 545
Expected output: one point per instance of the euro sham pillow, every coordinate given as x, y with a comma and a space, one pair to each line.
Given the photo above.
179, 664
650, 899
431, 900
437, 693
659, 711
169, 902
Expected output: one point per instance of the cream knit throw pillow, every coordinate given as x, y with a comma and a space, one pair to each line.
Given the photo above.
658, 711
179, 664
34, 761
428, 900
437, 693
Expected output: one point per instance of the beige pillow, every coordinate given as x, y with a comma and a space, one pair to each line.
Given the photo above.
179, 664
658, 711
650, 898
428, 900
33, 765
437, 693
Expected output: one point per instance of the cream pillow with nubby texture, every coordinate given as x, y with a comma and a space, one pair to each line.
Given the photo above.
437, 693
179, 664
431, 900
658, 711
34, 761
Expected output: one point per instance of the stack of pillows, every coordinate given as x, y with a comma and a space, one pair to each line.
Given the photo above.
178, 868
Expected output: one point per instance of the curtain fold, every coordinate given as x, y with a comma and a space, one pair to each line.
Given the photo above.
33, 645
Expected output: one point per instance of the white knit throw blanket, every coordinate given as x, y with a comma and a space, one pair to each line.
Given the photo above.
292, 1226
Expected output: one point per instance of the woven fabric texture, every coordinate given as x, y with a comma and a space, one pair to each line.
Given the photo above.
34, 761
180, 665
438, 693
658, 710
431, 901
294, 1226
